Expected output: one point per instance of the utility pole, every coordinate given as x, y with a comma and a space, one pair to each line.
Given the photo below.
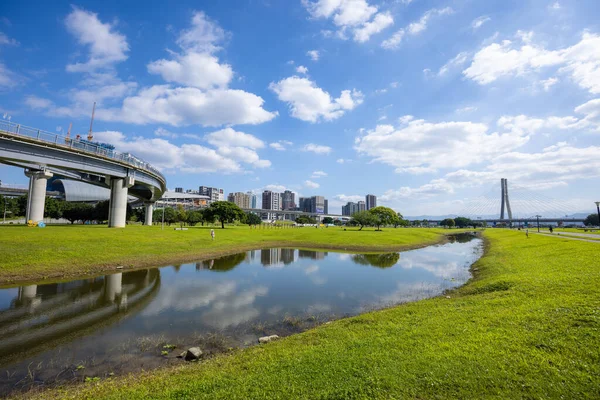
598, 208
163, 218
538, 222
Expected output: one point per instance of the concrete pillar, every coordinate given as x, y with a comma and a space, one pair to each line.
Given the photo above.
36, 199
149, 211
113, 286
117, 209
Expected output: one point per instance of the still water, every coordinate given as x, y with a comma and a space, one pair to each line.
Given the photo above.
129, 321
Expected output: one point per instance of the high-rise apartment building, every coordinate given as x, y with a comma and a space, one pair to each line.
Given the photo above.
317, 204
240, 199
362, 206
215, 194
252, 197
288, 200
326, 208
304, 204
350, 208
371, 201
271, 201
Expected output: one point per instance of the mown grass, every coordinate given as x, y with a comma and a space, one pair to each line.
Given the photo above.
527, 326
28, 254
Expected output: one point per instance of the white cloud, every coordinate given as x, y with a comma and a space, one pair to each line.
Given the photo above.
161, 132
313, 54
454, 63
379, 23
343, 160
421, 25
201, 70
309, 102
317, 149
357, 16
186, 105
318, 174
311, 184
414, 28
343, 199
6, 41
497, 60
187, 158
105, 45
548, 83
230, 137
555, 6
478, 22
281, 145
197, 65
301, 69
466, 109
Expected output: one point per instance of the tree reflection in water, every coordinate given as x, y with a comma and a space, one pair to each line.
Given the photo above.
222, 264
385, 260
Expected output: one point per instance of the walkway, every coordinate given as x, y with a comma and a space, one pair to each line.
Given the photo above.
565, 236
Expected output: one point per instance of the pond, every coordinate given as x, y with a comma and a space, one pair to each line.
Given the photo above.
128, 321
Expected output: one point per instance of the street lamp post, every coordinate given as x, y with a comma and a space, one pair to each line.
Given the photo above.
538, 222
162, 226
598, 208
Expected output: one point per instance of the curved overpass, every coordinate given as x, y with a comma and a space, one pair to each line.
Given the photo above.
44, 154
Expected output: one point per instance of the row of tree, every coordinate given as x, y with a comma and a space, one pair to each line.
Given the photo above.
378, 217
461, 222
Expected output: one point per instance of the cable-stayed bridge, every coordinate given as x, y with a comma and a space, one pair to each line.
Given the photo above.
518, 205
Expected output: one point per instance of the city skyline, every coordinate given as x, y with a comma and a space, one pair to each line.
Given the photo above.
426, 105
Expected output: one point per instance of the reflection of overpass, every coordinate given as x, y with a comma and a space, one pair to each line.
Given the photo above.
44, 154
42, 316
520, 220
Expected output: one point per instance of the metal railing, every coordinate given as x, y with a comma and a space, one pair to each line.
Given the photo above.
62, 141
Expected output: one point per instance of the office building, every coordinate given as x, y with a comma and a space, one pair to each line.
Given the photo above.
326, 208
288, 200
304, 204
252, 197
371, 201
242, 200
178, 190
215, 194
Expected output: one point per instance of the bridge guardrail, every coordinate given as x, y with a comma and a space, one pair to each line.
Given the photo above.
83, 145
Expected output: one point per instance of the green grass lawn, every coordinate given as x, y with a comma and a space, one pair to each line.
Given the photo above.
75, 250
527, 326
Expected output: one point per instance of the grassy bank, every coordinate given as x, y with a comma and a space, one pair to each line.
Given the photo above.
527, 326
28, 254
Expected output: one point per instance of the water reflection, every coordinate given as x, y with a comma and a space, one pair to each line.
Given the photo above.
41, 315
385, 260
240, 296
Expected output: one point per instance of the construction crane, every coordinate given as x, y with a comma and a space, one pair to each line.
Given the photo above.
90, 136
68, 137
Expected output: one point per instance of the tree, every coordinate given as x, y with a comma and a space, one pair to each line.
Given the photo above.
591, 220
328, 220
170, 215
385, 260
181, 215
101, 211
449, 222
194, 217
462, 222
225, 211
383, 216
53, 208
78, 212
252, 219
363, 218
305, 219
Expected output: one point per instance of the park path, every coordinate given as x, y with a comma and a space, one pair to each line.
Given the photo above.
568, 237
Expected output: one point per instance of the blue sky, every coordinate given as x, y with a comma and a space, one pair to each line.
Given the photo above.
426, 104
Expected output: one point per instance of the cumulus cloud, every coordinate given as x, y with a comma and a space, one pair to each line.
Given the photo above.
581, 61
419, 146
229, 156
106, 46
281, 145
311, 184
309, 102
203, 96
6, 41
318, 174
313, 54
301, 69
358, 17
317, 149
